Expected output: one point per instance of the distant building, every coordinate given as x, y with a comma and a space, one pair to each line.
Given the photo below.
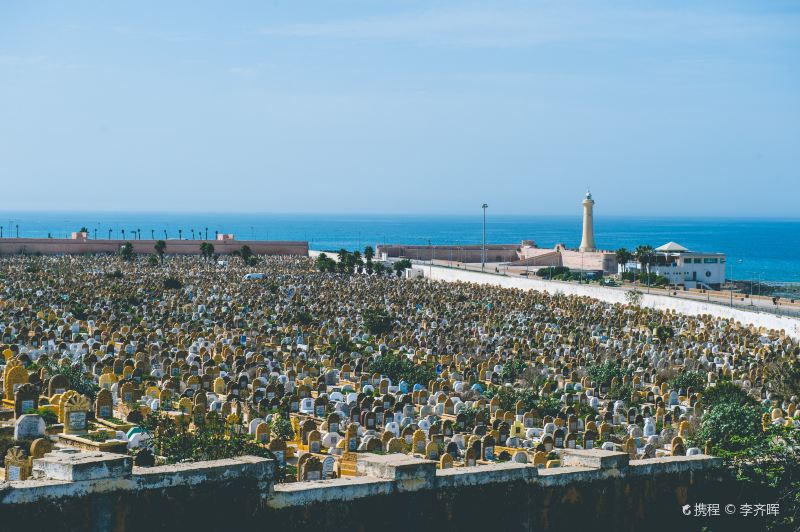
587, 258
587, 240
682, 267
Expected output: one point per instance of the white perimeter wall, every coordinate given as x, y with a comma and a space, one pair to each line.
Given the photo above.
616, 295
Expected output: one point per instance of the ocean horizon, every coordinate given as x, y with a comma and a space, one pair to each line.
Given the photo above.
760, 249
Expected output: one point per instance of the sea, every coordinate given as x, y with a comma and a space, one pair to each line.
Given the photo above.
765, 250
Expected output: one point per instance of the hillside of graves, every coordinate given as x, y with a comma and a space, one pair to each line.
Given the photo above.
189, 360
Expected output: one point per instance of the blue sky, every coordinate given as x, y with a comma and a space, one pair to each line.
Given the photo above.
663, 108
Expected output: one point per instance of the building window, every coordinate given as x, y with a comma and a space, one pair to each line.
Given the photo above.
710, 261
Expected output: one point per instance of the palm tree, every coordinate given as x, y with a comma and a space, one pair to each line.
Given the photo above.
643, 255
160, 248
358, 262
369, 253
123, 234
192, 234
165, 235
180, 234
342, 263
206, 233
126, 251
152, 234
623, 258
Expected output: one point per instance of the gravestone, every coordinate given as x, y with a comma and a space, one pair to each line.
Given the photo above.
76, 410
26, 399
16, 464
29, 426
104, 404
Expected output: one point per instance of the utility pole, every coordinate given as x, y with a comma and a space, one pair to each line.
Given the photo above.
483, 247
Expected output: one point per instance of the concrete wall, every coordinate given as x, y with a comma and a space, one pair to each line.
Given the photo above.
594, 260
57, 246
198, 496
595, 490
615, 295
494, 252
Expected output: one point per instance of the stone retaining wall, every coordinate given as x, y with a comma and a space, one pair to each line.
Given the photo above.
594, 490
63, 246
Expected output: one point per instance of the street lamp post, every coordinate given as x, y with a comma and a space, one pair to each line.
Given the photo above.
430, 267
483, 247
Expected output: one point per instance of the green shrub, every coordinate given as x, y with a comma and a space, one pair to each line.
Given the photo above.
664, 332
302, 317
621, 391
512, 369
552, 271
76, 378
212, 440
377, 321
726, 392
687, 379
172, 283
282, 428
508, 397
399, 367
729, 425
605, 373
48, 416
116, 274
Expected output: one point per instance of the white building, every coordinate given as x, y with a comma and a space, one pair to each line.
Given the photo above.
681, 266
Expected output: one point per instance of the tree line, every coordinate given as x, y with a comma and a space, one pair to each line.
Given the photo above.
356, 262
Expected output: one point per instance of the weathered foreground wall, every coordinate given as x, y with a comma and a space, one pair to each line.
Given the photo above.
596, 490
60, 246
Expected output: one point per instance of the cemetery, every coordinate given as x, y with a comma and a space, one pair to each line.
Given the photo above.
355, 398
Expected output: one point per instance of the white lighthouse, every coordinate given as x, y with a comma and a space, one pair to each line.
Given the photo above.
587, 242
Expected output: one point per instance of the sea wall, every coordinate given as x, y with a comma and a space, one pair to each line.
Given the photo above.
471, 253
64, 246
393, 493
790, 325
